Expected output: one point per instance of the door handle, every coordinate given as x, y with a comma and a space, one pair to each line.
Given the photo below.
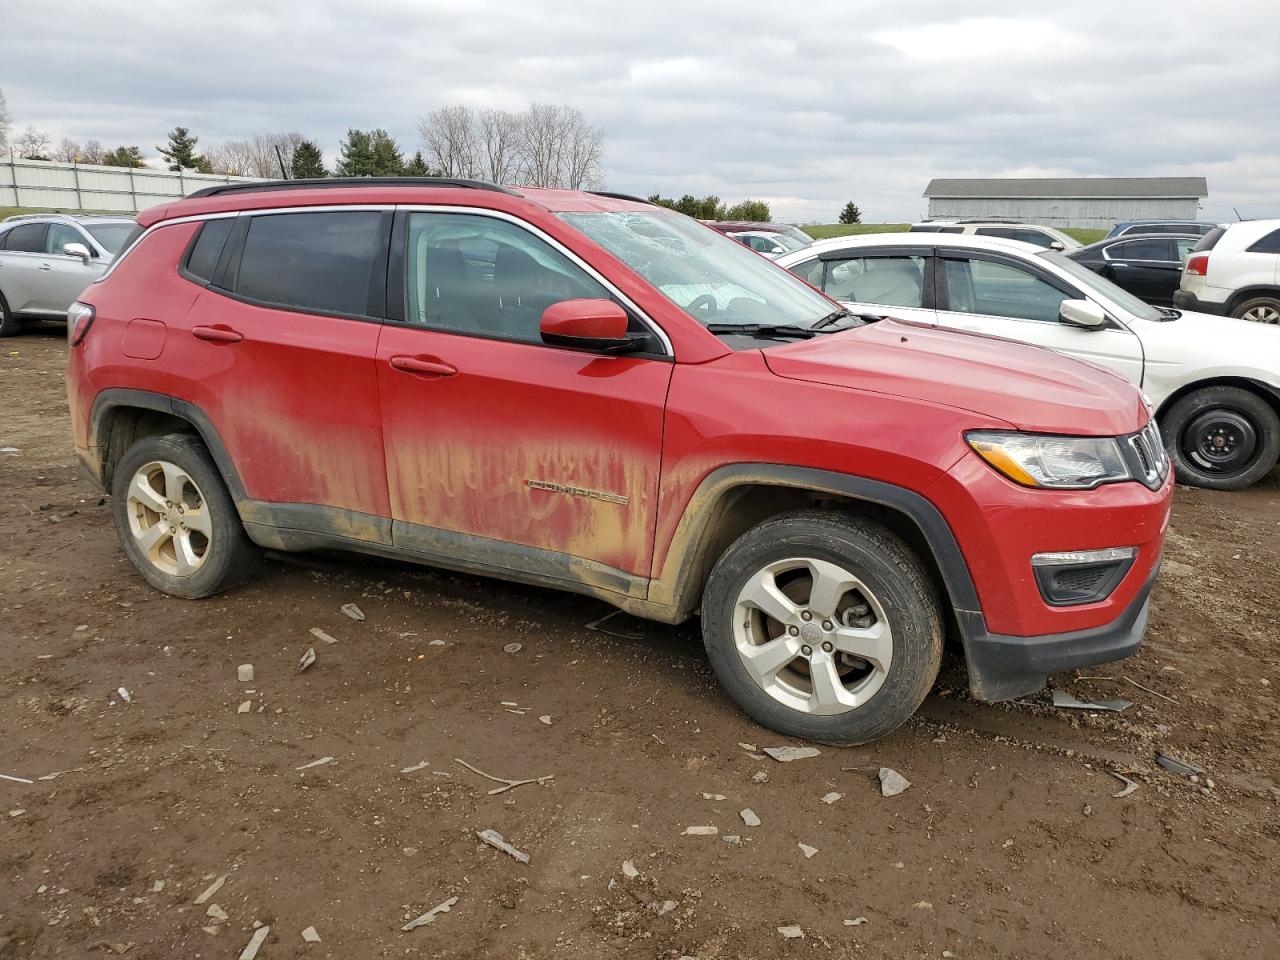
44, 266
423, 367
216, 334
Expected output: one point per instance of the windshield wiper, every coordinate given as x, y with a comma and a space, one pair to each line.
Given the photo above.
765, 331
831, 318
827, 322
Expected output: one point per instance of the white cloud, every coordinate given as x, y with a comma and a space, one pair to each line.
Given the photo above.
807, 105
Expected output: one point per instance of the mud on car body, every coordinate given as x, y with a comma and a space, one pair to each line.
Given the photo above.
588, 392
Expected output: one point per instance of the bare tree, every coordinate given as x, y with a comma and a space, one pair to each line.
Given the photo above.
93, 152
583, 155
67, 151
33, 144
498, 141
6, 122
255, 157
449, 134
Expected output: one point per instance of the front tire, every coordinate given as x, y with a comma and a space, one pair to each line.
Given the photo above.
1258, 309
1221, 438
823, 626
177, 521
9, 324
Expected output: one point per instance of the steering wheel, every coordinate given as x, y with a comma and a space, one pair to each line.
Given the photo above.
704, 302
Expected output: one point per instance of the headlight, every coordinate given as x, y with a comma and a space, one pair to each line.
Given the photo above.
1073, 463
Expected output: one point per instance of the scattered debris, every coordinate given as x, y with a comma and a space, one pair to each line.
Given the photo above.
664, 908
123, 694
545, 718
307, 660
212, 931
1174, 765
714, 796
5, 776
216, 912
310, 935
790, 933
1087, 810
157, 886
749, 747
856, 922
787, 754
431, 914
513, 648
510, 784
438, 643
352, 611
1129, 785
1134, 683
245, 707
892, 782
244, 673
210, 890
251, 949
1065, 701
596, 625
321, 635
416, 767
315, 763
831, 797
700, 831
13, 450
808, 851
759, 777
732, 838
629, 870
749, 817
17, 813
494, 839
923, 905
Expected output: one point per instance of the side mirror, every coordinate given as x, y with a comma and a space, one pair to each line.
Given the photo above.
589, 325
77, 250
1082, 313
1057, 245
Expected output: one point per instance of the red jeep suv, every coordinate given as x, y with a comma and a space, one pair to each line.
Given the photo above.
588, 392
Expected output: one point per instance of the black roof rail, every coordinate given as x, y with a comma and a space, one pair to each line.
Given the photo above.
335, 182
618, 196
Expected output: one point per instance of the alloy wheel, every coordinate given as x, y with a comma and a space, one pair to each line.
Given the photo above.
812, 635
1262, 313
169, 518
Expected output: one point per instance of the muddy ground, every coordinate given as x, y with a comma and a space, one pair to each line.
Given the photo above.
1009, 842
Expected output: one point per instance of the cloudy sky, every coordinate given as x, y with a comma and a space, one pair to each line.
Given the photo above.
804, 104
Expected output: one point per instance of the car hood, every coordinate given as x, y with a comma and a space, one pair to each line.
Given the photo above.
1031, 388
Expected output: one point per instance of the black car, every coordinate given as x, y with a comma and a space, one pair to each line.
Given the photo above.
1147, 266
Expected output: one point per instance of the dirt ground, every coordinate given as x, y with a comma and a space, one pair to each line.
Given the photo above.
1009, 843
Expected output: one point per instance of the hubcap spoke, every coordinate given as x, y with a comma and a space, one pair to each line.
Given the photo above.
762, 593
152, 537
764, 661
199, 520
186, 558
830, 583
175, 482
828, 691
141, 491
871, 643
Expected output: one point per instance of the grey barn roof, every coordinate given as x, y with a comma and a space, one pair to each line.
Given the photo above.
1070, 187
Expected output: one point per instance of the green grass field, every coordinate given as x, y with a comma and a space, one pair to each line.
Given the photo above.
825, 231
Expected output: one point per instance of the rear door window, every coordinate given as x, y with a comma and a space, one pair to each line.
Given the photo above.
884, 281
1268, 244
1151, 249
25, 238
324, 262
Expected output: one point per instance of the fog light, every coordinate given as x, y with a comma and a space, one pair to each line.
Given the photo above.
1072, 577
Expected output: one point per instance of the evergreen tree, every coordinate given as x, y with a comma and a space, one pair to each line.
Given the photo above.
123, 157
850, 213
181, 151
355, 155
417, 167
388, 161
307, 162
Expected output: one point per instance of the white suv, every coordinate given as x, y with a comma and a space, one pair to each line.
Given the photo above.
1032, 233
1235, 271
1214, 383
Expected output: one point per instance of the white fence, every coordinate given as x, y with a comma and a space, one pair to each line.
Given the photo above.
70, 186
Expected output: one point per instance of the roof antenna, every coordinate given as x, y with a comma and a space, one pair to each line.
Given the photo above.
1237, 213
284, 174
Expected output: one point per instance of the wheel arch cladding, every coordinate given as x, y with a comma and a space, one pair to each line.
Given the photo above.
1249, 293
1262, 390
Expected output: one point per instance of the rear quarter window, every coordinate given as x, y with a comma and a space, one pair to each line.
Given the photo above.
1268, 244
1209, 240
202, 258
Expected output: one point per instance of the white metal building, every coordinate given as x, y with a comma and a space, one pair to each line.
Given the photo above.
70, 186
1097, 202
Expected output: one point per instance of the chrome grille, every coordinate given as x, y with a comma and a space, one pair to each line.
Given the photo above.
1151, 458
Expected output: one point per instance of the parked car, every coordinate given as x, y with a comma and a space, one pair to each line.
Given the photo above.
1149, 267
1032, 233
770, 239
1214, 383
47, 259
1235, 271
592, 393
1194, 228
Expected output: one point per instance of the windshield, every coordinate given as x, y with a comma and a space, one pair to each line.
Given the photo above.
790, 243
111, 235
707, 275
1092, 281
796, 234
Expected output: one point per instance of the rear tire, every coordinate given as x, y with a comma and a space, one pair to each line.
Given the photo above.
1265, 309
177, 521
1221, 438
823, 626
9, 324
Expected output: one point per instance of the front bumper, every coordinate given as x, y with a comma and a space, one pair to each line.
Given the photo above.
1002, 667
1185, 300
